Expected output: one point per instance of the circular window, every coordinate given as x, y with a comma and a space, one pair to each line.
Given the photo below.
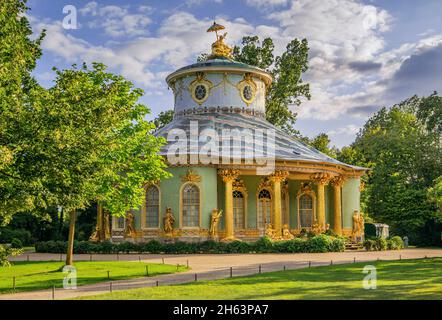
200, 92
247, 93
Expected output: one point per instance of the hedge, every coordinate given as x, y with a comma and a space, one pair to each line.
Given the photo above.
381, 244
320, 243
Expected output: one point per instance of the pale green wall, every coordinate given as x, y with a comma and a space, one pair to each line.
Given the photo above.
170, 192
350, 201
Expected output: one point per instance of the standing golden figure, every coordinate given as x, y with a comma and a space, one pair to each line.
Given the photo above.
214, 220
129, 231
168, 221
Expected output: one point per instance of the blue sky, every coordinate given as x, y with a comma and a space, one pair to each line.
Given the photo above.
363, 54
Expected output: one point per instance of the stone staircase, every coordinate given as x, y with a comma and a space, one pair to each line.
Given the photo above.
350, 245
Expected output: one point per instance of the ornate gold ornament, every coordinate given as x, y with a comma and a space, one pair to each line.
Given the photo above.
219, 47
228, 175
191, 177
200, 88
279, 176
247, 89
362, 186
338, 181
321, 178
306, 188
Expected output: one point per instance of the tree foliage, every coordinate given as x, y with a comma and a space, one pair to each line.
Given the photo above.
405, 158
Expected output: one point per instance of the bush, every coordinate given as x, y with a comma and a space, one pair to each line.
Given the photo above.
395, 243
7, 235
370, 245
16, 244
381, 244
321, 243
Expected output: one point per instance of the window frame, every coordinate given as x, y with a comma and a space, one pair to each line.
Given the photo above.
144, 208
181, 224
312, 194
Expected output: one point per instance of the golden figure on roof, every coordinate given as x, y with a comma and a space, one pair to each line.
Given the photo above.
219, 47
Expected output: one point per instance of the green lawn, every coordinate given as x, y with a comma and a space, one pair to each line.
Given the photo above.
44, 275
406, 279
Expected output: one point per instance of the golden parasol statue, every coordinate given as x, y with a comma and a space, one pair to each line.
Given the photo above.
219, 48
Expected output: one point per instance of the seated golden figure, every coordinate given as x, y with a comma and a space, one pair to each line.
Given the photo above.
219, 47
286, 234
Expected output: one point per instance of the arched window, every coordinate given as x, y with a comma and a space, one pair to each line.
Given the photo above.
238, 210
306, 210
191, 206
152, 207
264, 208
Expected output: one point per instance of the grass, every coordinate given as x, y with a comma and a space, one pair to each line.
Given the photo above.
43, 275
406, 279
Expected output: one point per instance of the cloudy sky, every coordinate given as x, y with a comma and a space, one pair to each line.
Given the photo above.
363, 54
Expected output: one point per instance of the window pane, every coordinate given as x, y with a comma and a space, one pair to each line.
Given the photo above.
120, 222
238, 210
306, 210
152, 207
191, 205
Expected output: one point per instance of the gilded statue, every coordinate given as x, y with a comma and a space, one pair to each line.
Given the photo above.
129, 231
95, 237
168, 222
286, 234
214, 220
219, 47
270, 232
316, 229
358, 226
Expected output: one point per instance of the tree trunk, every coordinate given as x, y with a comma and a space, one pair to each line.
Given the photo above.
70, 253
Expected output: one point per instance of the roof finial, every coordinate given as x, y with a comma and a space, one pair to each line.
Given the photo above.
219, 48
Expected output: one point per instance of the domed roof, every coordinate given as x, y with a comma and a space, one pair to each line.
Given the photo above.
220, 64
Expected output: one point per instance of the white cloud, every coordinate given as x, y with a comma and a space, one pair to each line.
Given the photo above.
266, 4
117, 21
349, 130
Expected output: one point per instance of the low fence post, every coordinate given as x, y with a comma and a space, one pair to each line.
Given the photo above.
108, 275
13, 284
110, 287
53, 292
231, 272
147, 271
259, 269
196, 277
309, 264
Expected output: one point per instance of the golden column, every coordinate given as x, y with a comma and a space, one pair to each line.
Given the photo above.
337, 184
228, 177
277, 177
321, 180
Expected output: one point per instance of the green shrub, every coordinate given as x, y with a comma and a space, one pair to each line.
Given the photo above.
337, 245
319, 243
16, 244
264, 245
381, 244
370, 245
395, 243
7, 235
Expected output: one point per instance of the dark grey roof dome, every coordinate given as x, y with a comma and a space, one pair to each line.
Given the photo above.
287, 148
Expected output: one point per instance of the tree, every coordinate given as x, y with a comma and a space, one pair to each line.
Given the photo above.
322, 143
405, 159
97, 144
20, 185
287, 88
164, 118
429, 111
